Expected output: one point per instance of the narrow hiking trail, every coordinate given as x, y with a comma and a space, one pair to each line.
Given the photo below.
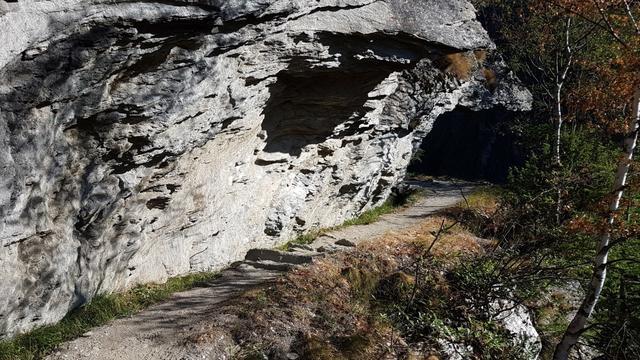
161, 331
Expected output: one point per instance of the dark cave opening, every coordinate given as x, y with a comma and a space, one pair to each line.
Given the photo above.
470, 145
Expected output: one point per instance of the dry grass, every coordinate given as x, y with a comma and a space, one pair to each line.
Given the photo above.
479, 211
327, 310
491, 79
451, 244
392, 297
461, 65
481, 56
346, 306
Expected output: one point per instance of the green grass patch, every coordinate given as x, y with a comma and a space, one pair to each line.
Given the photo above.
373, 215
389, 206
38, 343
304, 239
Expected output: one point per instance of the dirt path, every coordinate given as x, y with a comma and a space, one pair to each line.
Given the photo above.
160, 332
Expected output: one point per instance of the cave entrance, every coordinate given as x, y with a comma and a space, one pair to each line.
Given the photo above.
470, 145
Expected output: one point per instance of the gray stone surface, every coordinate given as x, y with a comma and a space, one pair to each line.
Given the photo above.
146, 139
517, 321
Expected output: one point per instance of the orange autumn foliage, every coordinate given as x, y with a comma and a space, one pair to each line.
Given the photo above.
615, 74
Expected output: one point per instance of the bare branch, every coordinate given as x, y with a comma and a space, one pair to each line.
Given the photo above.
633, 19
587, 19
605, 18
634, 261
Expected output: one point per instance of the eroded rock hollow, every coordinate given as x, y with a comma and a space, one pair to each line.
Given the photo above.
146, 139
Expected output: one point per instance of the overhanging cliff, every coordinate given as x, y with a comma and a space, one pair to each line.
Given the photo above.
145, 139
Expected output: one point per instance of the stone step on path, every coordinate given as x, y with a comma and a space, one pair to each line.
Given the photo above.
297, 257
162, 331
298, 254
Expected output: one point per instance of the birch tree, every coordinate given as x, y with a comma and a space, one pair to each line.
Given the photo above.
600, 264
562, 67
548, 43
599, 12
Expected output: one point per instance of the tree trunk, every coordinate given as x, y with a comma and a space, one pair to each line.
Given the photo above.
560, 79
559, 120
579, 322
556, 150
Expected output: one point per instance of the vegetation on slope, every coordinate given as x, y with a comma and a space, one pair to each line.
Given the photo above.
400, 296
574, 205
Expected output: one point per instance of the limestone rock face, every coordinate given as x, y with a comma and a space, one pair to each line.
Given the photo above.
146, 139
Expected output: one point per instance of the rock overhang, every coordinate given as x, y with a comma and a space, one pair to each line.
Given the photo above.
448, 23
142, 140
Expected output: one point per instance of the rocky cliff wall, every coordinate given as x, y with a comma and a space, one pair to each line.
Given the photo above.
146, 139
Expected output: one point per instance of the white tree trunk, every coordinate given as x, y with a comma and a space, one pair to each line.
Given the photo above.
559, 121
579, 322
561, 77
558, 141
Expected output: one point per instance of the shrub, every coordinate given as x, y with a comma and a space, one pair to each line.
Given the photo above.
452, 304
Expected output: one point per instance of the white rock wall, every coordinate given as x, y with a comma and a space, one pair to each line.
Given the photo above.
143, 140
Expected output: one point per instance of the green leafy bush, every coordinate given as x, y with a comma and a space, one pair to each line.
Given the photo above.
453, 304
